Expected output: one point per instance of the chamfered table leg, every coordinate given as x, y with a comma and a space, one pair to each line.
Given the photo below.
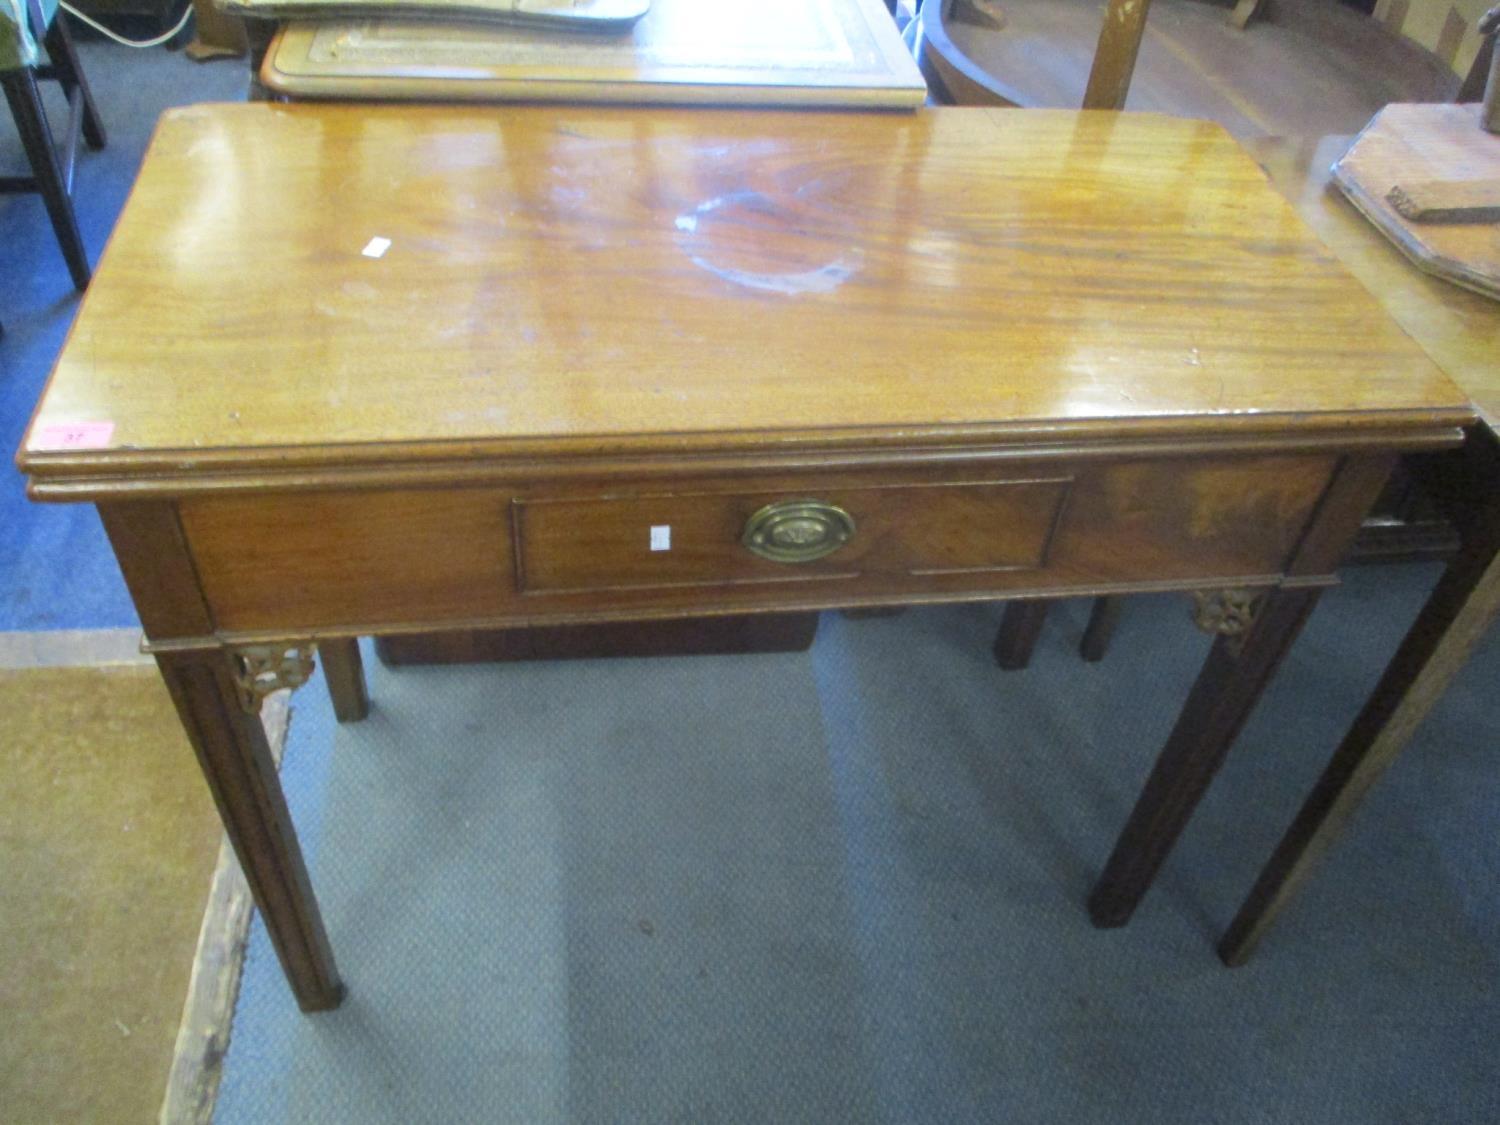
344, 671
1020, 628
217, 697
1104, 618
1464, 604
1255, 632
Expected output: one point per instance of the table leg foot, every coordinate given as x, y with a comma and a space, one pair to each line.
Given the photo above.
344, 672
217, 696
1253, 638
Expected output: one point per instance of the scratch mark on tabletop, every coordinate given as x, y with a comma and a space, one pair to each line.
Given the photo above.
824, 279
709, 233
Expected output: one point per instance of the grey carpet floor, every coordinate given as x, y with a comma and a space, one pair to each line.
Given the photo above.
848, 885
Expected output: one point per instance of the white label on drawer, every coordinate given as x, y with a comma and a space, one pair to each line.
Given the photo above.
661, 537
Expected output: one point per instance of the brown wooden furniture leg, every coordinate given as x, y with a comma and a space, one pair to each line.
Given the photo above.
258, 36
1254, 630
1239, 666
1019, 630
1114, 57
345, 673
1103, 619
1021, 627
1464, 604
1472, 87
1245, 11
216, 34
218, 699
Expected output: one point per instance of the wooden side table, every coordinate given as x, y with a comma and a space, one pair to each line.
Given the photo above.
573, 364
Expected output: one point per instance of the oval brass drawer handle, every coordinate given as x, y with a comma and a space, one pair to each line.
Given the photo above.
795, 531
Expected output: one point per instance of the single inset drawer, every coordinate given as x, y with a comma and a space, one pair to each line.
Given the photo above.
652, 540
563, 551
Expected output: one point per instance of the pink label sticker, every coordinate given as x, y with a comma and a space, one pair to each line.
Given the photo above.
75, 435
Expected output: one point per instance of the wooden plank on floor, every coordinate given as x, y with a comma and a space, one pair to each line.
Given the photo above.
208, 1012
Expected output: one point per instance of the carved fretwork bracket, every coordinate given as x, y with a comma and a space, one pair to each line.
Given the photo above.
263, 669
1226, 613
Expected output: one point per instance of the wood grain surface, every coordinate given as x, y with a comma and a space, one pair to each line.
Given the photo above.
1408, 144
1457, 328
1447, 201
582, 282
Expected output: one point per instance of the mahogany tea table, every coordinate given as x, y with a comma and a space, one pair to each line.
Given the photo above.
354, 370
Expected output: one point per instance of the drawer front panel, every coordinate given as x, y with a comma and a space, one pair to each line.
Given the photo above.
666, 539
333, 558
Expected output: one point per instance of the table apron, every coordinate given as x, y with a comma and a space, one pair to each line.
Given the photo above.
361, 561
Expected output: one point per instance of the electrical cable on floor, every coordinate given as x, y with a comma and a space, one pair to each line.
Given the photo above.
108, 34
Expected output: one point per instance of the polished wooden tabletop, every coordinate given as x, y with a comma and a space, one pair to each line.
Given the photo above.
289, 283
1458, 328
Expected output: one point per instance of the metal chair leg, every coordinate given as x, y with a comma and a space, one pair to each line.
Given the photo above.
36, 138
59, 44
